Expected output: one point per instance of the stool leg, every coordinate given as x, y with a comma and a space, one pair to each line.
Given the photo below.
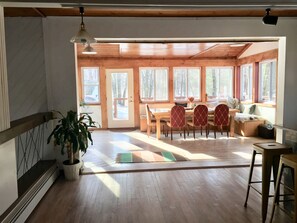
275, 168
250, 177
276, 194
267, 161
295, 195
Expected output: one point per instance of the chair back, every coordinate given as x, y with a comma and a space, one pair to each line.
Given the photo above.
200, 116
221, 115
148, 114
177, 116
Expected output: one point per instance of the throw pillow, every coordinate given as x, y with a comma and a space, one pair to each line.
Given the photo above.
252, 109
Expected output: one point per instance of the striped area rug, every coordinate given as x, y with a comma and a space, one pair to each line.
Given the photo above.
148, 157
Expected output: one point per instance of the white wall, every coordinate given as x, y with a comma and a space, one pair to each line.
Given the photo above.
8, 175
25, 67
60, 53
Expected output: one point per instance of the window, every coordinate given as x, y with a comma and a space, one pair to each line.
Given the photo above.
219, 82
186, 83
246, 82
267, 81
90, 85
154, 84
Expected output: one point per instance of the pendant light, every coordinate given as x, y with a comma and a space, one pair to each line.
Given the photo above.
82, 36
89, 50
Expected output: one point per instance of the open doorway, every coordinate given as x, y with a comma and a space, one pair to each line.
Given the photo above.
261, 53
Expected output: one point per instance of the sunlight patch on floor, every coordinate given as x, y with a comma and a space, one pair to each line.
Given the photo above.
110, 183
102, 156
248, 156
126, 145
200, 156
157, 143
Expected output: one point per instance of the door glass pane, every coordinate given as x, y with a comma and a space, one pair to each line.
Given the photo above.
120, 109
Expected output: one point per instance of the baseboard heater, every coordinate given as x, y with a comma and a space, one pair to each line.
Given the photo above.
20, 210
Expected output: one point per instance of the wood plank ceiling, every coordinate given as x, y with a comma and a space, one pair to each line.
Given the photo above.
165, 50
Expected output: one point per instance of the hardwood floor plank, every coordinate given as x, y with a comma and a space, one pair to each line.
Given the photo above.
202, 195
189, 195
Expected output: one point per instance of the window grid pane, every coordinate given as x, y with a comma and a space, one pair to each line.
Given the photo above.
246, 80
219, 82
267, 81
186, 83
91, 85
154, 84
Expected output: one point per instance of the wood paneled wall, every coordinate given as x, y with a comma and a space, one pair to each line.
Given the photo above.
109, 63
115, 63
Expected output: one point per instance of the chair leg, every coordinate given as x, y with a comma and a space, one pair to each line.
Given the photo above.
201, 129
171, 132
214, 131
206, 131
194, 131
184, 133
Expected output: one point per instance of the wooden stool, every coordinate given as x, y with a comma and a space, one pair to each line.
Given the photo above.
289, 160
270, 158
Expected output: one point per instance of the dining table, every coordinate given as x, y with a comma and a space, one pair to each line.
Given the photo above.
164, 113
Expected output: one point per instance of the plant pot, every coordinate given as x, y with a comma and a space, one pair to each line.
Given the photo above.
71, 171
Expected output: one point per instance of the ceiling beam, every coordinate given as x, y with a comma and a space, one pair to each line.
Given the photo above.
39, 12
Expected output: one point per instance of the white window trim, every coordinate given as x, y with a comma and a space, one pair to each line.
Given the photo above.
251, 82
232, 81
187, 92
154, 68
260, 82
83, 85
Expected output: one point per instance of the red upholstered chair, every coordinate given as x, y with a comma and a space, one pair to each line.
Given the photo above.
177, 119
200, 119
221, 119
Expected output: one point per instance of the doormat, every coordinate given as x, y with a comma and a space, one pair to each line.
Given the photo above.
148, 157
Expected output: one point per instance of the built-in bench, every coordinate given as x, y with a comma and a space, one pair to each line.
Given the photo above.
251, 116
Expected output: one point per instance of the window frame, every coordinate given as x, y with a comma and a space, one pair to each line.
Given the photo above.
251, 82
140, 80
187, 85
260, 100
83, 86
232, 82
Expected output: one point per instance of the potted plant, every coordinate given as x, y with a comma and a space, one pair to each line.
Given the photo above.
72, 133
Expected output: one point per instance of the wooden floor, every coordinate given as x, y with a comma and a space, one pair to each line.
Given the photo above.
196, 195
202, 152
196, 192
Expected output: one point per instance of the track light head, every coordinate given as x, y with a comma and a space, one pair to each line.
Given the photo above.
269, 19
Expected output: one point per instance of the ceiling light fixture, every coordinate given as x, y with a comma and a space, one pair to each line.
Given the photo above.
89, 50
269, 19
82, 36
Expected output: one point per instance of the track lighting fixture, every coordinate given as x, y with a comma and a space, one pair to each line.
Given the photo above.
82, 36
269, 19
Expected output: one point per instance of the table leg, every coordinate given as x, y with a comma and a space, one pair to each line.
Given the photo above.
232, 124
158, 127
266, 175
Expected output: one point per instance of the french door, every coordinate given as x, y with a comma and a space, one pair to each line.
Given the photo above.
120, 103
